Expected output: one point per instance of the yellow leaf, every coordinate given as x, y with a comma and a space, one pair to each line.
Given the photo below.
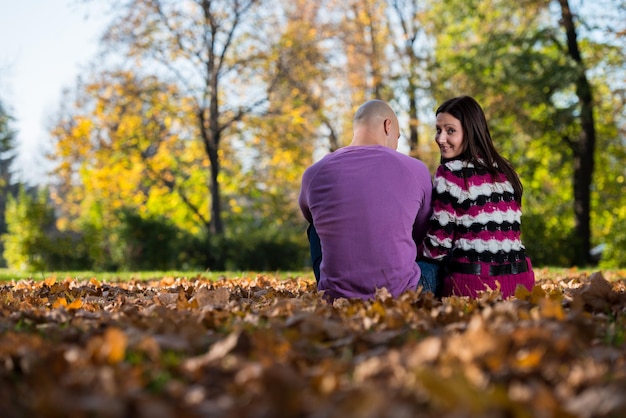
533, 296
378, 308
522, 293
76, 304
114, 347
551, 308
529, 359
60, 302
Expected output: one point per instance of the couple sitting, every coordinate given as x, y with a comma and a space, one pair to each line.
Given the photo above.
376, 220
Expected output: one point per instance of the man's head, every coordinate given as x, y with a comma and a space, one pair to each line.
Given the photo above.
375, 123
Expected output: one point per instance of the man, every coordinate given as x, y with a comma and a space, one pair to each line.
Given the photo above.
369, 205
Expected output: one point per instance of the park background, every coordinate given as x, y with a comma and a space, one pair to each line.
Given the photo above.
183, 143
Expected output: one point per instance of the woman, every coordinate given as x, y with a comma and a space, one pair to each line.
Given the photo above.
475, 226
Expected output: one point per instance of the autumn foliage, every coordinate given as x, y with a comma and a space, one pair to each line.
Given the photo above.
264, 347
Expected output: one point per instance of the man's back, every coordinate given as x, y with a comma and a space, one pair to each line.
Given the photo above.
367, 203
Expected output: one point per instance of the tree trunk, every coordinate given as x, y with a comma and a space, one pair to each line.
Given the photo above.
216, 225
210, 136
583, 146
413, 120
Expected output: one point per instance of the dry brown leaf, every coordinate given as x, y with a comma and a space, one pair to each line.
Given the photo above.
597, 294
216, 352
167, 299
217, 298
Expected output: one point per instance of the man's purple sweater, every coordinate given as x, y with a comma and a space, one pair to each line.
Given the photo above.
369, 205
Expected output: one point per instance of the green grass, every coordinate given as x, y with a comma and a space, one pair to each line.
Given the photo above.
9, 275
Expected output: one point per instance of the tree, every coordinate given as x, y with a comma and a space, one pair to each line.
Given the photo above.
609, 187
407, 23
532, 81
307, 76
605, 60
584, 144
215, 103
7, 155
123, 153
29, 219
125, 143
367, 36
7, 147
282, 141
210, 48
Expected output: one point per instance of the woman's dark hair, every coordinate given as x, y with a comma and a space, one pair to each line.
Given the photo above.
479, 146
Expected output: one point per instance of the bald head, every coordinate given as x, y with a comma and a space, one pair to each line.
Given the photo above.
375, 123
373, 109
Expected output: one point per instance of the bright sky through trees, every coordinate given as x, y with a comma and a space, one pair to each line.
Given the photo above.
44, 46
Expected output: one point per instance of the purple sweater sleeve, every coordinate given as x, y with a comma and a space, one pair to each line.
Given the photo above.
420, 227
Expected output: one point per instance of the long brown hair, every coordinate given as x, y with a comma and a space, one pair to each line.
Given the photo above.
479, 148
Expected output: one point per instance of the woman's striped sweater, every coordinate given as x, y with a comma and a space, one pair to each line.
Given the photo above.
475, 217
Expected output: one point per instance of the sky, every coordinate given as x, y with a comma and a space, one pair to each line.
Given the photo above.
44, 46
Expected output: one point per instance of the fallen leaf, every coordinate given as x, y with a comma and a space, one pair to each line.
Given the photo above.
217, 298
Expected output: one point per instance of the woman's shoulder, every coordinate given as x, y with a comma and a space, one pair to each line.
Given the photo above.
455, 165
466, 168
455, 168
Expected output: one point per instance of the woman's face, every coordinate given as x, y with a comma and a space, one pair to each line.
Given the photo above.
449, 136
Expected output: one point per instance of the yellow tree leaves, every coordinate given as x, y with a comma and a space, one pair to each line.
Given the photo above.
127, 145
238, 346
366, 40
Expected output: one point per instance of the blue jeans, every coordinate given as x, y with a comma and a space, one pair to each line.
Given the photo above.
316, 250
430, 280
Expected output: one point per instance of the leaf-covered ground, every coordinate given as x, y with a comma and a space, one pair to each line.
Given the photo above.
263, 347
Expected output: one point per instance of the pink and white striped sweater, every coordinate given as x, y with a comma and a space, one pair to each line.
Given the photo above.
475, 231
475, 217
